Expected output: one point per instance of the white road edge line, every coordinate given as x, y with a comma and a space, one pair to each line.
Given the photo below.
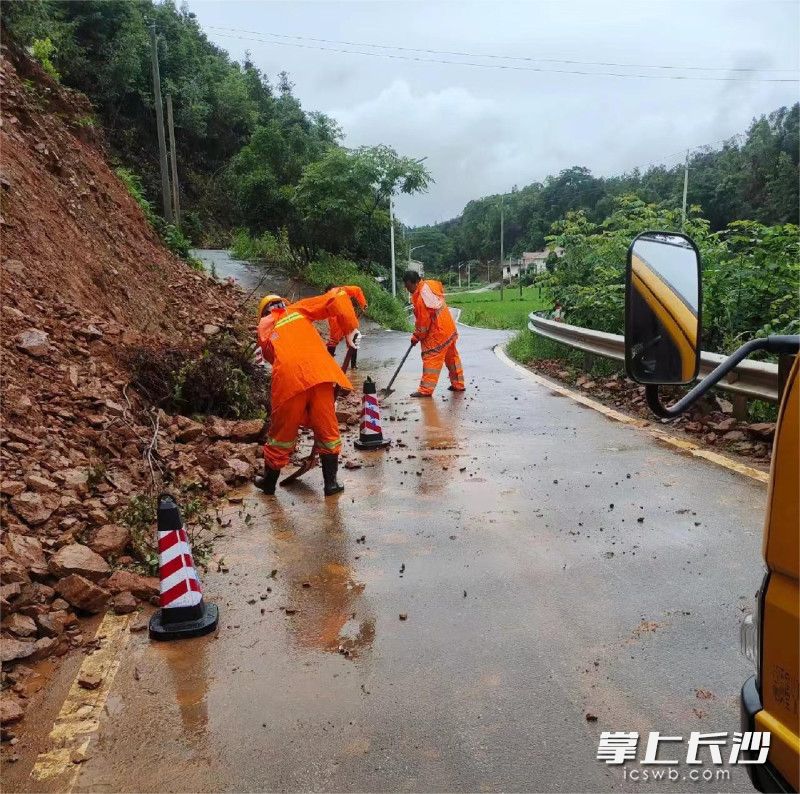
679, 443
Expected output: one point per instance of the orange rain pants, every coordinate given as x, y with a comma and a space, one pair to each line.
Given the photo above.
432, 365
312, 408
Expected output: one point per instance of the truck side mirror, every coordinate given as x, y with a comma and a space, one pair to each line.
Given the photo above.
662, 309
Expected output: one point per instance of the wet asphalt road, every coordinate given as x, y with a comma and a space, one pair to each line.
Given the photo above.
506, 531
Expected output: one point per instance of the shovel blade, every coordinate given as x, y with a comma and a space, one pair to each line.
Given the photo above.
308, 463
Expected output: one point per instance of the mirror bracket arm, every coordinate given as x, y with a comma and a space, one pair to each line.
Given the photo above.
772, 344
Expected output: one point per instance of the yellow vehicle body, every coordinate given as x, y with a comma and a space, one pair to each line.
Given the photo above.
770, 700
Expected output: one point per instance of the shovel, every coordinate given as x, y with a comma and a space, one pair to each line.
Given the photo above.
310, 461
388, 390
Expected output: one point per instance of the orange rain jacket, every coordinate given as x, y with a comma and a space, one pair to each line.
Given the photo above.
335, 332
296, 351
434, 327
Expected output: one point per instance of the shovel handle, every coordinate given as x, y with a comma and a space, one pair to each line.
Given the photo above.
399, 367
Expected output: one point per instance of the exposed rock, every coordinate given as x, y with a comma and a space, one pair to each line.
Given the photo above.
80, 559
241, 469
90, 680
724, 426
52, 624
40, 484
110, 540
30, 508
189, 432
209, 329
90, 332
141, 586
44, 647
246, 430
124, 603
11, 487
19, 625
11, 649
83, 594
11, 710
34, 342
765, 430
12, 572
73, 479
28, 552
217, 485
734, 435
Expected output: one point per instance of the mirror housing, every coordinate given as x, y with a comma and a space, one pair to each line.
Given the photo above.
663, 309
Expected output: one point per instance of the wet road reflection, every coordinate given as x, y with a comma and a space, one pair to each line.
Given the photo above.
322, 595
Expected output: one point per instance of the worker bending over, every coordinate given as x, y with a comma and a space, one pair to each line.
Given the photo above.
435, 330
335, 332
303, 380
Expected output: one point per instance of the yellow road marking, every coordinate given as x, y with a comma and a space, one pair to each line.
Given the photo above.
679, 443
79, 717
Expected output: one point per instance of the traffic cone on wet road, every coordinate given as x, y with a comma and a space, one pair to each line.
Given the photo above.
371, 435
183, 612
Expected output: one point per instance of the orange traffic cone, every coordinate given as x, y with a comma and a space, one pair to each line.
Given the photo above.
371, 435
183, 612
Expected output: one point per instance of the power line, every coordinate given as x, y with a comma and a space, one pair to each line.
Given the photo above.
506, 58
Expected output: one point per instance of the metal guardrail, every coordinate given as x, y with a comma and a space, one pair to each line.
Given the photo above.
755, 380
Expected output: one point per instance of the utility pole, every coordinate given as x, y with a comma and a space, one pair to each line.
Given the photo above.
685, 189
391, 245
173, 157
469, 265
162, 144
502, 250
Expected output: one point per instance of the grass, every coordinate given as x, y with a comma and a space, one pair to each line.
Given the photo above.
527, 347
485, 309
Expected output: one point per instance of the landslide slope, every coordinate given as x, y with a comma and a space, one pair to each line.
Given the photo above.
84, 278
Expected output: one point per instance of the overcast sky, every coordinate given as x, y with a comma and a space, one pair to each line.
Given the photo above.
484, 130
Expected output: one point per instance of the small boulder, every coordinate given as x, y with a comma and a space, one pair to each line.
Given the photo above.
34, 342
30, 508
20, 625
82, 593
141, 586
28, 552
43, 648
39, 484
763, 430
189, 432
52, 624
80, 559
73, 479
124, 603
246, 430
11, 710
11, 649
110, 540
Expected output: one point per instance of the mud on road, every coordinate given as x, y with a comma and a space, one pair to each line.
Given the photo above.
514, 564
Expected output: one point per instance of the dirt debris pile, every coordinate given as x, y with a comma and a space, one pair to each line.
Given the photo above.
84, 279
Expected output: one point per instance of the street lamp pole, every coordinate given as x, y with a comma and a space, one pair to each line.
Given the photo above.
391, 245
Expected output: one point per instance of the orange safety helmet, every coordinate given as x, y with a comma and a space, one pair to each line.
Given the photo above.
268, 301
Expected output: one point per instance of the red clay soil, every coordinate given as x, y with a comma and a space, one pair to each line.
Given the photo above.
84, 277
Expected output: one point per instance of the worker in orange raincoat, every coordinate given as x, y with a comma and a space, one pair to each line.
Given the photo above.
335, 333
303, 380
435, 330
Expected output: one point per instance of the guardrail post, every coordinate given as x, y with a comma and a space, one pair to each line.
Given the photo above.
588, 361
739, 402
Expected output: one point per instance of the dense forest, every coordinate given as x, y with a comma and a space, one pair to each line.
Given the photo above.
755, 179
248, 155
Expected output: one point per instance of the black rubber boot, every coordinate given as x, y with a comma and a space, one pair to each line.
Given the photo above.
268, 480
330, 465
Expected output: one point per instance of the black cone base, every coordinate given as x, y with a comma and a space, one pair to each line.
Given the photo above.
378, 443
204, 624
